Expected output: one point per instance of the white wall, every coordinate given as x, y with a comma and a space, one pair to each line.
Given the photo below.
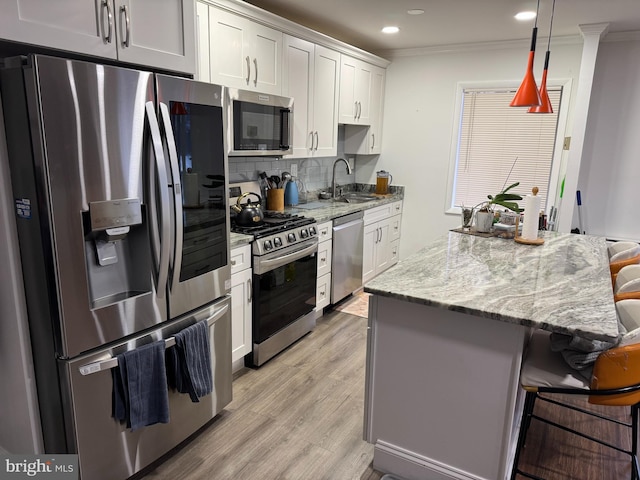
610, 173
419, 123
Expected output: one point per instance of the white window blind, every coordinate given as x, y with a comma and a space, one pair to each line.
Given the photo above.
492, 135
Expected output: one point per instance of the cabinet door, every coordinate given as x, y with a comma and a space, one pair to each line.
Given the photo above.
355, 91
325, 102
240, 314
244, 54
203, 62
370, 240
78, 26
297, 82
348, 104
160, 34
377, 101
383, 250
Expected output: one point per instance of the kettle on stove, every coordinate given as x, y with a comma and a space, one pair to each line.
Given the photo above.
291, 193
248, 214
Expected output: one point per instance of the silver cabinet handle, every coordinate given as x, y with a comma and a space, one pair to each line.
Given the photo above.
250, 291
317, 140
248, 60
106, 5
373, 141
233, 263
127, 35
311, 136
323, 260
359, 110
355, 115
255, 81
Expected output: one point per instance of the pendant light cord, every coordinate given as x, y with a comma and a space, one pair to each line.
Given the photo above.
553, 9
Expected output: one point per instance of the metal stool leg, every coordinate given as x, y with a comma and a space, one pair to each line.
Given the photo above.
529, 402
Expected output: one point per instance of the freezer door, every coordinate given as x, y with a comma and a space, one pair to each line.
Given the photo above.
192, 123
108, 450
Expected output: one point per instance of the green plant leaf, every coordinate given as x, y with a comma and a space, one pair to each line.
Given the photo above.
501, 197
513, 185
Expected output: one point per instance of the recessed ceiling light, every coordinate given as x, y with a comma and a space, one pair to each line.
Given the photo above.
415, 11
523, 16
390, 30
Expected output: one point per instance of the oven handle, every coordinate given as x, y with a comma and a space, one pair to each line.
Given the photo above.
264, 266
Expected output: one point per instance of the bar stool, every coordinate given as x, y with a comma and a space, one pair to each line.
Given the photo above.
615, 381
627, 284
622, 254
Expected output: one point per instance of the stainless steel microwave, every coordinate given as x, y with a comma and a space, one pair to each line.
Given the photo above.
259, 124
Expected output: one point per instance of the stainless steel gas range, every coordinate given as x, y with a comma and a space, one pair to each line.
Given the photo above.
284, 282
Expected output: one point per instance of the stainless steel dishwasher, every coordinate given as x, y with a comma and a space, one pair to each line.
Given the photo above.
346, 263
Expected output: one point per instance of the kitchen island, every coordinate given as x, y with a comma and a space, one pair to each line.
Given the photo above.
447, 330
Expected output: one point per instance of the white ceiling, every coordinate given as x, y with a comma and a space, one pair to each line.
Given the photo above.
449, 22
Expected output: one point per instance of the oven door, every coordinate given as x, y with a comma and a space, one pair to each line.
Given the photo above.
284, 288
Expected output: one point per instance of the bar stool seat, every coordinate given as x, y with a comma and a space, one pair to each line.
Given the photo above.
615, 381
627, 284
622, 254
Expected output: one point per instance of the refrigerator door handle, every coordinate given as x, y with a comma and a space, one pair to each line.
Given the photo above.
160, 236
177, 191
112, 362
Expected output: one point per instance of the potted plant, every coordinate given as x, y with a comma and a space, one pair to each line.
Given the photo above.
485, 211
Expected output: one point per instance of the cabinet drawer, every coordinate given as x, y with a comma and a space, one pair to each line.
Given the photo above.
394, 227
324, 258
323, 291
394, 252
396, 208
325, 231
240, 259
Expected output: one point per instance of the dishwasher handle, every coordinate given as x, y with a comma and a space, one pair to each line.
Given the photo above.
337, 228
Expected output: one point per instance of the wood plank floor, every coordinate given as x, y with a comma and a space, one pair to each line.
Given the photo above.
297, 417
300, 416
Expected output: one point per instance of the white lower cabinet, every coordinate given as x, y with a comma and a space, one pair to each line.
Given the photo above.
323, 283
381, 239
241, 304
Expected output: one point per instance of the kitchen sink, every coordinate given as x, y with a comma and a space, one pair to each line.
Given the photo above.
356, 197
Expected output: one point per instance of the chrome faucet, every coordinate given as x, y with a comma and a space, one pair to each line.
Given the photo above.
333, 177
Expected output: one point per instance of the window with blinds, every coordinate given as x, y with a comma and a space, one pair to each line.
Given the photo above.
499, 145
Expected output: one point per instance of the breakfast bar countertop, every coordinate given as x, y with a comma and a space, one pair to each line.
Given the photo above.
562, 286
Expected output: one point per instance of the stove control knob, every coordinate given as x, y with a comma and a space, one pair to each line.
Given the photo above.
312, 231
268, 245
304, 233
291, 237
277, 242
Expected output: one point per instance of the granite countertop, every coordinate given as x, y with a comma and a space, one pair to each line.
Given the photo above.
323, 211
562, 286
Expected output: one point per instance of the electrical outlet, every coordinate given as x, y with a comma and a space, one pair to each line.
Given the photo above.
352, 161
294, 170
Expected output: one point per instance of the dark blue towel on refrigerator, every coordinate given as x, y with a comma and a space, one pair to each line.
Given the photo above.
140, 391
190, 362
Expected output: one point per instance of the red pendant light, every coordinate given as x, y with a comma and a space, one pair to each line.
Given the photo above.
528, 95
545, 106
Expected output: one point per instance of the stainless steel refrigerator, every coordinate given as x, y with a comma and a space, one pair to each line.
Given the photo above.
119, 179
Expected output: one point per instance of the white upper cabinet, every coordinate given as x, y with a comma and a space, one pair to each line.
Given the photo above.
243, 54
367, 140
160, 34
144, 32
310, 76
75, 25
355, 91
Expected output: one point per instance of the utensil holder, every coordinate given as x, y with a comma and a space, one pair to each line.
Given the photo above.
275, 199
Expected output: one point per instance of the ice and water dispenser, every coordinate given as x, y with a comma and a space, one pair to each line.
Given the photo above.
116, 251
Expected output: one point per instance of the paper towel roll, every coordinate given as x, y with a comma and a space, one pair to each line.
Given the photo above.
191, 189
531, 213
